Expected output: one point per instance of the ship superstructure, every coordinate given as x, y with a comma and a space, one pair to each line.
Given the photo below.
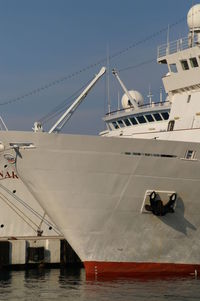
135, 117
181, 110
127, 206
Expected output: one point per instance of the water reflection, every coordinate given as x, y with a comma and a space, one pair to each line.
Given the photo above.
71, 284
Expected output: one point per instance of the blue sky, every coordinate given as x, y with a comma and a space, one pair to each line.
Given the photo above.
44, 40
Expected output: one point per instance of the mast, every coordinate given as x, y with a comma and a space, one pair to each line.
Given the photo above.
161, 95
108, 80
150, 95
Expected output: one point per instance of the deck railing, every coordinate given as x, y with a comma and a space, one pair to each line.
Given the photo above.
148, 105
178, 45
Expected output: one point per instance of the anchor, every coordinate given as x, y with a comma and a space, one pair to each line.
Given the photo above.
157, 207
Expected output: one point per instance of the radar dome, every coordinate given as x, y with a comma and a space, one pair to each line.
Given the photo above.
137, 96
193, 18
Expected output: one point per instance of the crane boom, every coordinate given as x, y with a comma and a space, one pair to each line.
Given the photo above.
135, 105
68, 113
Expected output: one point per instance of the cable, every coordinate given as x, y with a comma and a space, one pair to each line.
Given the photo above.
16, 209
103, 60
38, 215
137, 65
62, 106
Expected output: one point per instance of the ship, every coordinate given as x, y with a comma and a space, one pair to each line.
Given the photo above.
27, 235
20, 215
127, 200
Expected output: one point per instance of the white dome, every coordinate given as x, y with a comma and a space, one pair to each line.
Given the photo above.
193, 18
127, 103
2, 147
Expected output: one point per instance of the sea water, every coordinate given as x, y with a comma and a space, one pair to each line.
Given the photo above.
71, 284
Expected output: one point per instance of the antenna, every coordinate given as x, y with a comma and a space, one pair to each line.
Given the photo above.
161, 95
118, 106
150, 95
168, 28
108, 80
192, 22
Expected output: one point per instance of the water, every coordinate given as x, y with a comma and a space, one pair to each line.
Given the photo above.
45, 284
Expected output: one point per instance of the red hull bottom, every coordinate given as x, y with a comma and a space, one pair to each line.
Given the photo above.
96, 269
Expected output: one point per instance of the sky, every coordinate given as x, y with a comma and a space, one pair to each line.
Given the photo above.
42, 41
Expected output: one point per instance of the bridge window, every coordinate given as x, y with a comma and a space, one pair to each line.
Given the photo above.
173, 68
149, 118
120, 122
141, 119
133, 120
127, 122
193, 62
157, 117
115, 125
184, 65
165, 115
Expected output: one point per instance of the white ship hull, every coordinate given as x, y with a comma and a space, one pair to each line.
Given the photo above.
20, 214
94, 188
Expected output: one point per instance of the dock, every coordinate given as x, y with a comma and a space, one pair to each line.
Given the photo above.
25, 252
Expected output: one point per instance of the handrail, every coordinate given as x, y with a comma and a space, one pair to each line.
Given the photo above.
178, 45
155, 104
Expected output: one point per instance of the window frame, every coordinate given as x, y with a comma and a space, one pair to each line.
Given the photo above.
135, 123
119, 122
115, 125
171, 125
192, 63
141, 116
129, 123
190, 154
163, 116
173, 68
153, 119
184, 65
158, 115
